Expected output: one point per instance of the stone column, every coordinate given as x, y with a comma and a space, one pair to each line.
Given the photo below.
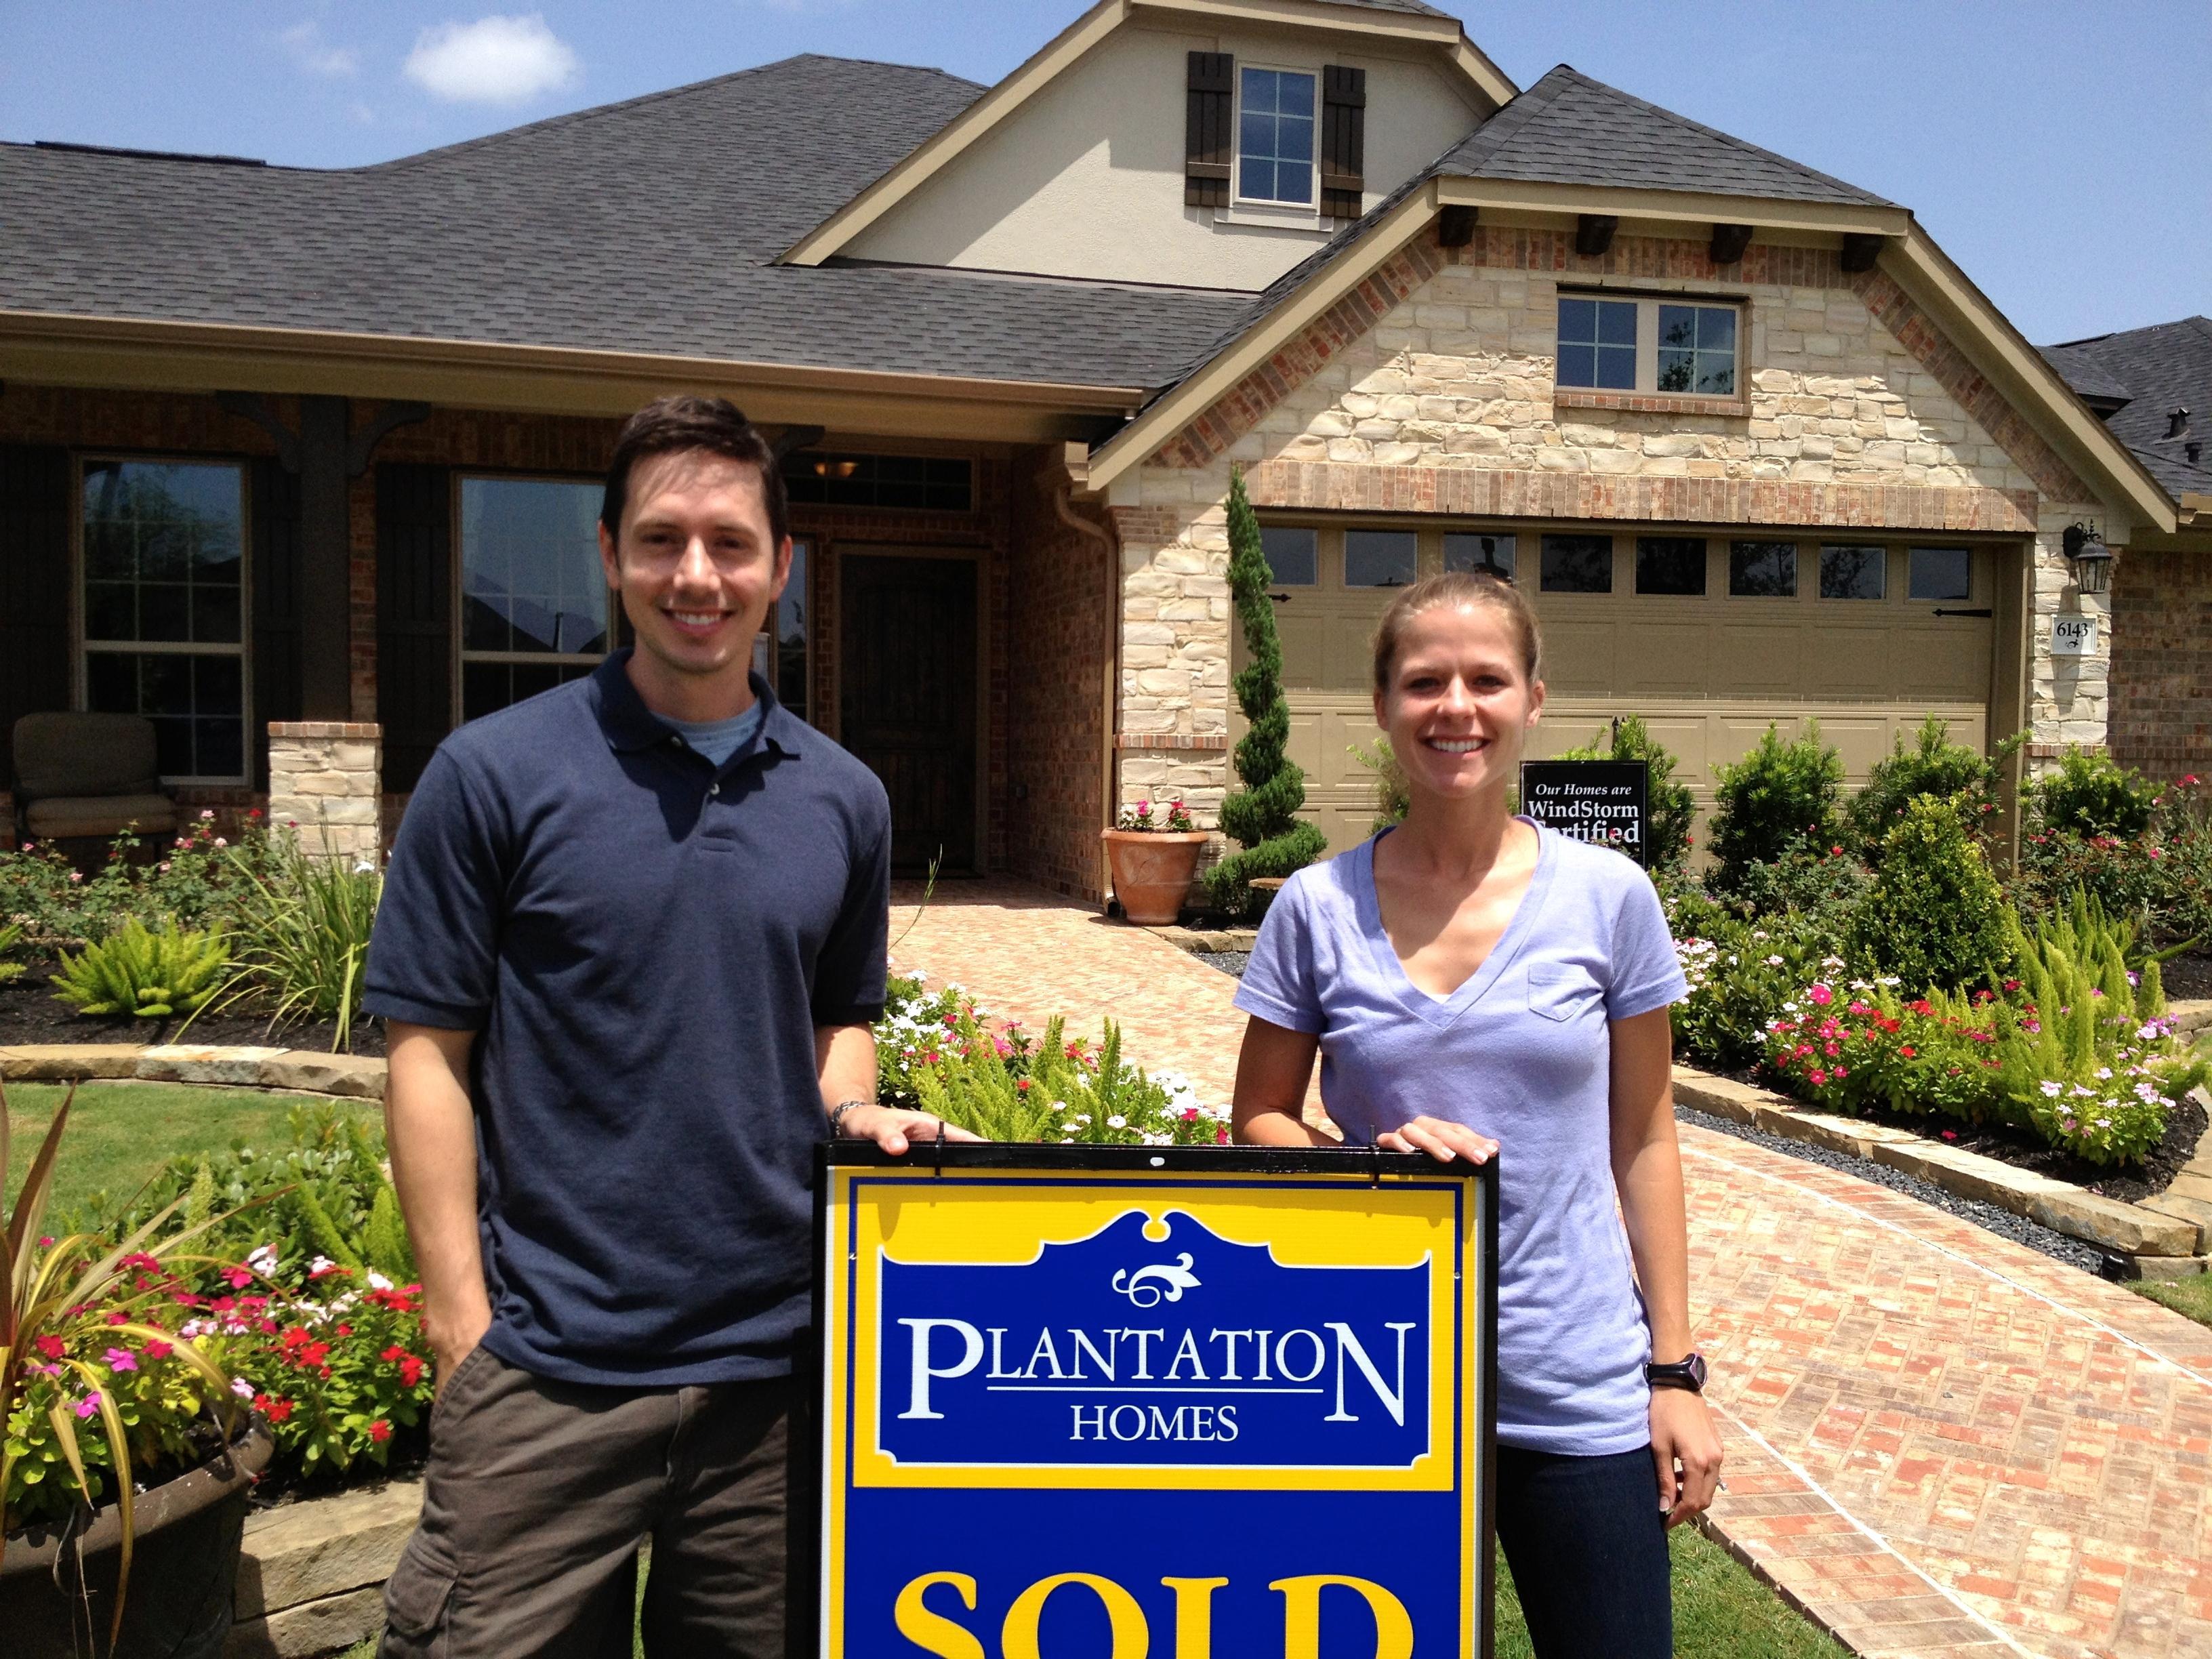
323, 778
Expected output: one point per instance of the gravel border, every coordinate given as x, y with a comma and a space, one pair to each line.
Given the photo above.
2005, 1225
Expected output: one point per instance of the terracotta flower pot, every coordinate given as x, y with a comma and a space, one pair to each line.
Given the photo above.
183, 1558
1152, 872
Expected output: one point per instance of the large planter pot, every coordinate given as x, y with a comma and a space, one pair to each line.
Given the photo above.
58, 1596
1152, 872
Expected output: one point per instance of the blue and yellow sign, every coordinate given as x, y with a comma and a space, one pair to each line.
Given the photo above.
1108, 1403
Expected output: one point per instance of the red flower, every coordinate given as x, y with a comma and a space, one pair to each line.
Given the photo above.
156, 1350
239, 1278
275, 1407
1906, 1049
51, 1346
379, 1432
410, 1371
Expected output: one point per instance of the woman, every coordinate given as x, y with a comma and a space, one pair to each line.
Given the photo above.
1472, 981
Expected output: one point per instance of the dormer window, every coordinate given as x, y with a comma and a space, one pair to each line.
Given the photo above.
1277, 113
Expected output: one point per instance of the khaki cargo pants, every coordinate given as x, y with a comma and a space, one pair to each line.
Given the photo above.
539, 1493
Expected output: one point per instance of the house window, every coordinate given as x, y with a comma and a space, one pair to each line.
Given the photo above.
1597, 343
534, 604
165, 610
927, 483
1940, 573
1380, 558
1696, 350
1853, 572
1293, 556
1486, 554
1649, 345
1670, 564
789, 621
1763, 570
1275, 136
1577, 564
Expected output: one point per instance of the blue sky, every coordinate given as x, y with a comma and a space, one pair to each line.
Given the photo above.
2061, 152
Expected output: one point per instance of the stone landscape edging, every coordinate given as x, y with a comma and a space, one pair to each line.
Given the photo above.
2129, 1230
311, 1575
347, 1076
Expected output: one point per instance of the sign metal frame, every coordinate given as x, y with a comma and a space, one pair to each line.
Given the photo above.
826, 1410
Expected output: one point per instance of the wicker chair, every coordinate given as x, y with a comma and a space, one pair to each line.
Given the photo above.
80, 776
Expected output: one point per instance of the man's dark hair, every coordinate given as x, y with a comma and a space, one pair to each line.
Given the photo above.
714, 424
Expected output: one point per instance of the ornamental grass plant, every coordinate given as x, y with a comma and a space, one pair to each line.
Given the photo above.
151, 973
301, 924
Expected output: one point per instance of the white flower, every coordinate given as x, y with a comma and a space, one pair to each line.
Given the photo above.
2104, 1071
1774, 961
2050, 1089
262, 1259
241, 1387
364, 867
1117, 1121
377, 1281
206, 815
1788, 1007
321, 1264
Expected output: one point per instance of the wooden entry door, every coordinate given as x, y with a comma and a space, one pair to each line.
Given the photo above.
907, 704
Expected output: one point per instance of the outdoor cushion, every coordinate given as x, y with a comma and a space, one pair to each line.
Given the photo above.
101, 815
78, 754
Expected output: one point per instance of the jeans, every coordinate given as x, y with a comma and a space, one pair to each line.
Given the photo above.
1587, 1542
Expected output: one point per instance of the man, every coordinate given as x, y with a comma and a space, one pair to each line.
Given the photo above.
631, 948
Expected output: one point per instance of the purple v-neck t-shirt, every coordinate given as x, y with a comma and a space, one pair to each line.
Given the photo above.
1521, 1052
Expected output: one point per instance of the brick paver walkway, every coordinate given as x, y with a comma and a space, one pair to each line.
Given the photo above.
1939, 1442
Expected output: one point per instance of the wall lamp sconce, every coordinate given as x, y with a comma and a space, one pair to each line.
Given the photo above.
2089, 558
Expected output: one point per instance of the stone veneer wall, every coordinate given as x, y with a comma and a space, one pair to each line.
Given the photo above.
1429, 388
323, 781
2161, 673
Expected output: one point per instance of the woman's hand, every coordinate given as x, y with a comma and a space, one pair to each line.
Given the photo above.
895, 1131
1440, 1139
1682, 1433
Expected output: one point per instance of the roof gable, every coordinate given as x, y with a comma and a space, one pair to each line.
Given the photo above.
2163, 367
1405, 22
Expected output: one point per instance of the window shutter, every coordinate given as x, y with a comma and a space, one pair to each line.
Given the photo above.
414, 617
1207, 148
276, 666
1343, 141
34, 592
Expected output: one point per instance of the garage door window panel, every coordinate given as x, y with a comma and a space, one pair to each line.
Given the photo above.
164, 609
1940, 573
1762, 570
1480, 555
1854, 572
1293, 555
1671, 564
1380, 558
1577, 564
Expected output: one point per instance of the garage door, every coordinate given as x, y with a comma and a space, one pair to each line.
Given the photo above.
1709, 638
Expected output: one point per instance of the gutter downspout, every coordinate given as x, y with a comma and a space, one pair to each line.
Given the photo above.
1060, 486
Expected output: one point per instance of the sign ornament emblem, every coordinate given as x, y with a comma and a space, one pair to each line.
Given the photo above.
1173, 1278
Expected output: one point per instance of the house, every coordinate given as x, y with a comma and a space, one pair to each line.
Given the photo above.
302, 463
2153, 387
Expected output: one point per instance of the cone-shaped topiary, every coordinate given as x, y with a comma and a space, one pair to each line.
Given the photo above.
1263, 817
1934, 915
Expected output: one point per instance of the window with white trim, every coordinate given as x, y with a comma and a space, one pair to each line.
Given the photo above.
1276, 120
164, 608
535, 611
1676, 348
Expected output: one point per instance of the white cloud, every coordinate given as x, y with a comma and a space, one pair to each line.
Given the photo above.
312, 52
494, 60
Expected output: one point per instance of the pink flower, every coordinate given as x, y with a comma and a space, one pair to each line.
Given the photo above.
1818, 1077
1820, 996
87, 1407
158, 1350
1950, 1134
239, 1278
120, 1359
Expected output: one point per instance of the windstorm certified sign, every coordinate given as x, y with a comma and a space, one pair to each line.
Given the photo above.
1113, 1403
1602, 802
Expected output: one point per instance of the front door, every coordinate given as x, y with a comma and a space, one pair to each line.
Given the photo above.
906, 668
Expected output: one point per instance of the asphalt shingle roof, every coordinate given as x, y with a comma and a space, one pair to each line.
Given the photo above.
649, 225
2166, 367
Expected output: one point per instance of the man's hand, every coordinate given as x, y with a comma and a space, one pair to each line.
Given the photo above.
895, 1131
1682, 1433
452, 1340
1440, 1139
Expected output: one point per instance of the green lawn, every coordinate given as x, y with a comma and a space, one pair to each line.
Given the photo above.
119, 1133
1721, 1611
2190, 1296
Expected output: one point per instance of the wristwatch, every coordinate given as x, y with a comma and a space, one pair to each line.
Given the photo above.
1682, 1374
837, 1115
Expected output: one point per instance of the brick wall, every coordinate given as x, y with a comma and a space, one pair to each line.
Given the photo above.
2162, 674
1060, 585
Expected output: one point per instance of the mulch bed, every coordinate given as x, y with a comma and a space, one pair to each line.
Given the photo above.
2188, 977
31, 1012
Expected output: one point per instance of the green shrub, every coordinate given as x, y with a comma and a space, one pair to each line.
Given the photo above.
1780, 797
196, 882
1741, 975
1380, 761
1932, 766
138, 971
2160, 880
1822, 885
1670, 810
1934, 915
303, 927
2092, 795
10, 937
1263, 817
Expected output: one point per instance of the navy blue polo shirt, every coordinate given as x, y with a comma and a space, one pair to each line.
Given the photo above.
644, 943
